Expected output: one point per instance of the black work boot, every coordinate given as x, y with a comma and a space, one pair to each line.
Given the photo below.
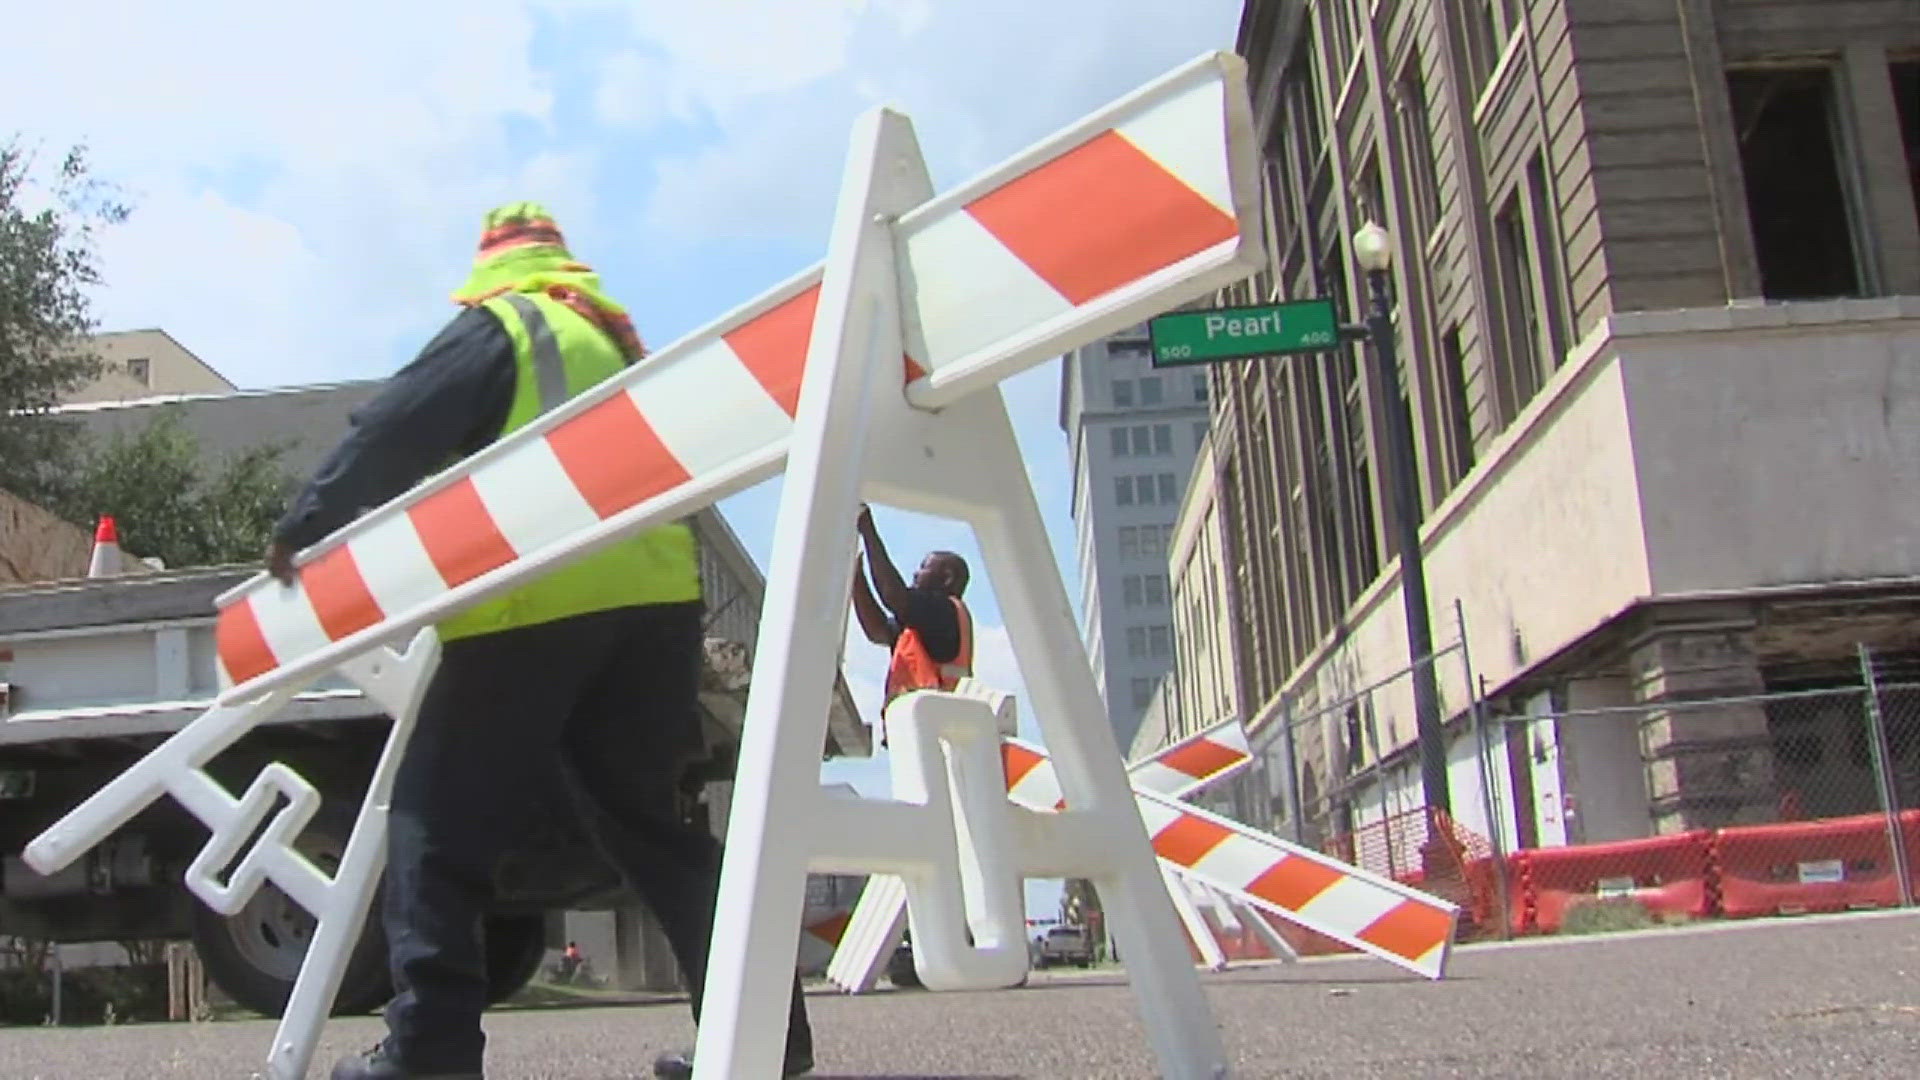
380, 1064
680, 1066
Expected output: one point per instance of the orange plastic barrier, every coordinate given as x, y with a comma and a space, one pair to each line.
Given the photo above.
1667, 874
1793, 867
1484, 890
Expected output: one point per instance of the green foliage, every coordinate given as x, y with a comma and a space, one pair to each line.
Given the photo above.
48, 233
166, 501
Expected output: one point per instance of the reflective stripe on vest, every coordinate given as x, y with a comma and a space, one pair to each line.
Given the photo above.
558, 354
549, 371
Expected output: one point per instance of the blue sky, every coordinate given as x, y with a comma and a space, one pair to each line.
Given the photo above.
308, 182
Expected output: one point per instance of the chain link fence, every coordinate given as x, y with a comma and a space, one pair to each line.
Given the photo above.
1611, 816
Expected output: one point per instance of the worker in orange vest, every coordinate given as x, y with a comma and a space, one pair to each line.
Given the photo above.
926, 624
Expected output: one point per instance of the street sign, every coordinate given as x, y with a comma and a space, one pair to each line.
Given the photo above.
1183, 338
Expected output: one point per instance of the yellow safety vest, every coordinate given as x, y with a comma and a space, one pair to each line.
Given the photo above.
558, 354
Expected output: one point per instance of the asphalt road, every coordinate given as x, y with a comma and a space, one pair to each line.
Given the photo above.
1833, 997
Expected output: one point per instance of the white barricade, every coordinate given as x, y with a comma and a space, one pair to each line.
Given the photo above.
879, 918
1144, 205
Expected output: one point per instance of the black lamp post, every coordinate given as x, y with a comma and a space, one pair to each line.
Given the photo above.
1373, 250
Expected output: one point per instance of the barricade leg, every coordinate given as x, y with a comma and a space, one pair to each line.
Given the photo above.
1280, 947
763, 877
873, 933
397, 683
1197, 927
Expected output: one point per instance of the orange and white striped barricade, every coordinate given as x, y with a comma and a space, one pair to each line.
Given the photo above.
1395, 922
872, 375
1414, 930
879, 917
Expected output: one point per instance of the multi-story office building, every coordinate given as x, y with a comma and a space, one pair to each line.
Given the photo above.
1132, 433
1656, 288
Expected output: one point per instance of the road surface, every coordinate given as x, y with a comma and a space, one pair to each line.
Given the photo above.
1830, 997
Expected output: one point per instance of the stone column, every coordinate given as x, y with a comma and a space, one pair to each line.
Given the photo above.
1707, 765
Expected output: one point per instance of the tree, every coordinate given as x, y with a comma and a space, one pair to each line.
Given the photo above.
48, 234
167, 502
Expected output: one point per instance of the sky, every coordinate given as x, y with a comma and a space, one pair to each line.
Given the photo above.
308, 180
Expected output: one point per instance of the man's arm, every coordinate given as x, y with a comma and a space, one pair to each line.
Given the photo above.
449, 402
873, 621
886, 579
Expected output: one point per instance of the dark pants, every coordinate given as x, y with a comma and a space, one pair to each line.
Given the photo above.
614, 697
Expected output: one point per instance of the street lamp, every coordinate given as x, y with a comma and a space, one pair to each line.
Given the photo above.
1373, 250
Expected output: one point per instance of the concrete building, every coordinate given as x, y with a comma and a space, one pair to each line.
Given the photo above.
1656, 283
144, 364
1199, 690
1132, 433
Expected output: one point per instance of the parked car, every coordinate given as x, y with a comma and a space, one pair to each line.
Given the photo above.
1065, 945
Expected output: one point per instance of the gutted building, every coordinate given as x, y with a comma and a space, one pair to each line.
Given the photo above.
1656, 294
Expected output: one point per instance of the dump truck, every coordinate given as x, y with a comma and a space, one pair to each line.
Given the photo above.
95, 672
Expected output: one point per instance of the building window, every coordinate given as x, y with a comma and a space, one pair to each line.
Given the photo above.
1199, 433
1163, 439
1142, 693
1160, 641
1130, 590
1200, 389
1130, 347
1136, 643
1553, 278
1493, 22
1150, 390
1129, 541
1906, 94
1150, 542
1142, 440
1168, 494
1803, 228
1123, 490
1156, 589
1414, 119
1457, 424
1123, 393
1143, 490
1520, 316
1120, 442
140, 370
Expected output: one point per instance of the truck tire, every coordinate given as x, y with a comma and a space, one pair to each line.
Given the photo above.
255, 954
516, 945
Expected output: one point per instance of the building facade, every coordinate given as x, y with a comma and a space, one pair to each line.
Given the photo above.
1656, 289
1132, 434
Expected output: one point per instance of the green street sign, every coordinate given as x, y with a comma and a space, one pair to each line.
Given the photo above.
1237, 333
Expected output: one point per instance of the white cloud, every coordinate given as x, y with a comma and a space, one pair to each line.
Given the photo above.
635, 93
980, 81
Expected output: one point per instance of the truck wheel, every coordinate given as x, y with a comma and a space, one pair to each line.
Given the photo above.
255, 954
516, 944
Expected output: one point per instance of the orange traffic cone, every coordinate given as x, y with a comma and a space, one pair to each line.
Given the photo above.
107, 560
